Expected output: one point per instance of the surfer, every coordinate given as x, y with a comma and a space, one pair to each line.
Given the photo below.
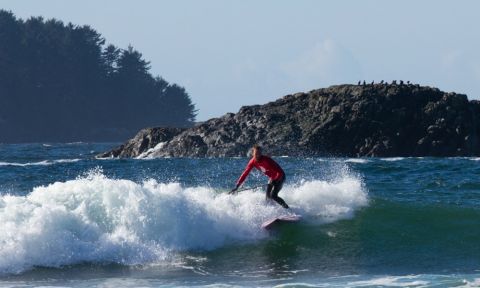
271, 169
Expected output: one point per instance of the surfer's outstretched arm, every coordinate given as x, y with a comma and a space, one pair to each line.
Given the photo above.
243, 176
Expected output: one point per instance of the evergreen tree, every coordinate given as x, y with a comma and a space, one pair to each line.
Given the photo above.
63, 83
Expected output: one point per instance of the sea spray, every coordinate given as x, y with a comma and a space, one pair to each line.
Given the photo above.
329, 201
96, 219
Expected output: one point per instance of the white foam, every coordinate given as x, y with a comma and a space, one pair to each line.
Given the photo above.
421, 280
97, 219
328, 201
391, 281
151, 152
357, 160
40, 163
392, 159
474, 283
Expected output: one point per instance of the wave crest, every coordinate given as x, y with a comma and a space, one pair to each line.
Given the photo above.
102, 220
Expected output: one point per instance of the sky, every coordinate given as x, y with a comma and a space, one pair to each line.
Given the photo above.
232, 53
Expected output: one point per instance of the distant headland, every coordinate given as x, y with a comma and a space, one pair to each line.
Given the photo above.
62, 83
372, 120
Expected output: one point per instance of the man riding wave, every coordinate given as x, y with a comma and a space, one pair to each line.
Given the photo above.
271, 169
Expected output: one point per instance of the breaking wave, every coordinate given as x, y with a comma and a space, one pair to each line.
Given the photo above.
96, 219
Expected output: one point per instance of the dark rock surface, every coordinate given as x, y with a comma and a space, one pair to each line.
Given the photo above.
145, 140
345, 120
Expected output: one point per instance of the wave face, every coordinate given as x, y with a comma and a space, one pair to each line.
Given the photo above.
96, 219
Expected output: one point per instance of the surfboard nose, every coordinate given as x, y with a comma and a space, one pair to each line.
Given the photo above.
269, 224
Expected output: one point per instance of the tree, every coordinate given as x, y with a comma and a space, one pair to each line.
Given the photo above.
176, 96
63, 83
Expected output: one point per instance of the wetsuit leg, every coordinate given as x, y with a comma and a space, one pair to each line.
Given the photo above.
273, 189
270, 186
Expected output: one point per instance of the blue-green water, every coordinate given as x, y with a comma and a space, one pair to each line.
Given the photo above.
70, 220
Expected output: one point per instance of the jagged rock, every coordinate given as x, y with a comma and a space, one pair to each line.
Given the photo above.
344, 120
145, 140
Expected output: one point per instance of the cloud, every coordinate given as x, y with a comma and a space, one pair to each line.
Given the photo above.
324, 64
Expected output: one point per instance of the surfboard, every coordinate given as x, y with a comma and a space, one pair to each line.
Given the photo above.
279, 220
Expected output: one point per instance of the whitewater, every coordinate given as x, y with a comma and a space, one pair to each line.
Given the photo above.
101, 220
68, 219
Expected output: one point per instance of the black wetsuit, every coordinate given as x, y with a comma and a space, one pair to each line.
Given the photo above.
273, 188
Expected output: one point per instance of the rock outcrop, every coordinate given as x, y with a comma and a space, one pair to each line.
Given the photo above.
145, 140
345, 120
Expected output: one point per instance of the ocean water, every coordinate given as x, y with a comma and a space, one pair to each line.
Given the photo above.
70, 220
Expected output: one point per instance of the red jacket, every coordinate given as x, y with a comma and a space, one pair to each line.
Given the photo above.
264, 164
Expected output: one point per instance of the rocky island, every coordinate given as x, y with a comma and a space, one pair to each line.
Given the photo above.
372, 120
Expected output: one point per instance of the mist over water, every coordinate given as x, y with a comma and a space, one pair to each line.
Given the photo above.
68, 219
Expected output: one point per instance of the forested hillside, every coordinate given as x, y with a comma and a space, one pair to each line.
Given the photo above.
62, 82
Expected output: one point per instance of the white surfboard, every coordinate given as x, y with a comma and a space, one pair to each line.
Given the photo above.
280, 219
